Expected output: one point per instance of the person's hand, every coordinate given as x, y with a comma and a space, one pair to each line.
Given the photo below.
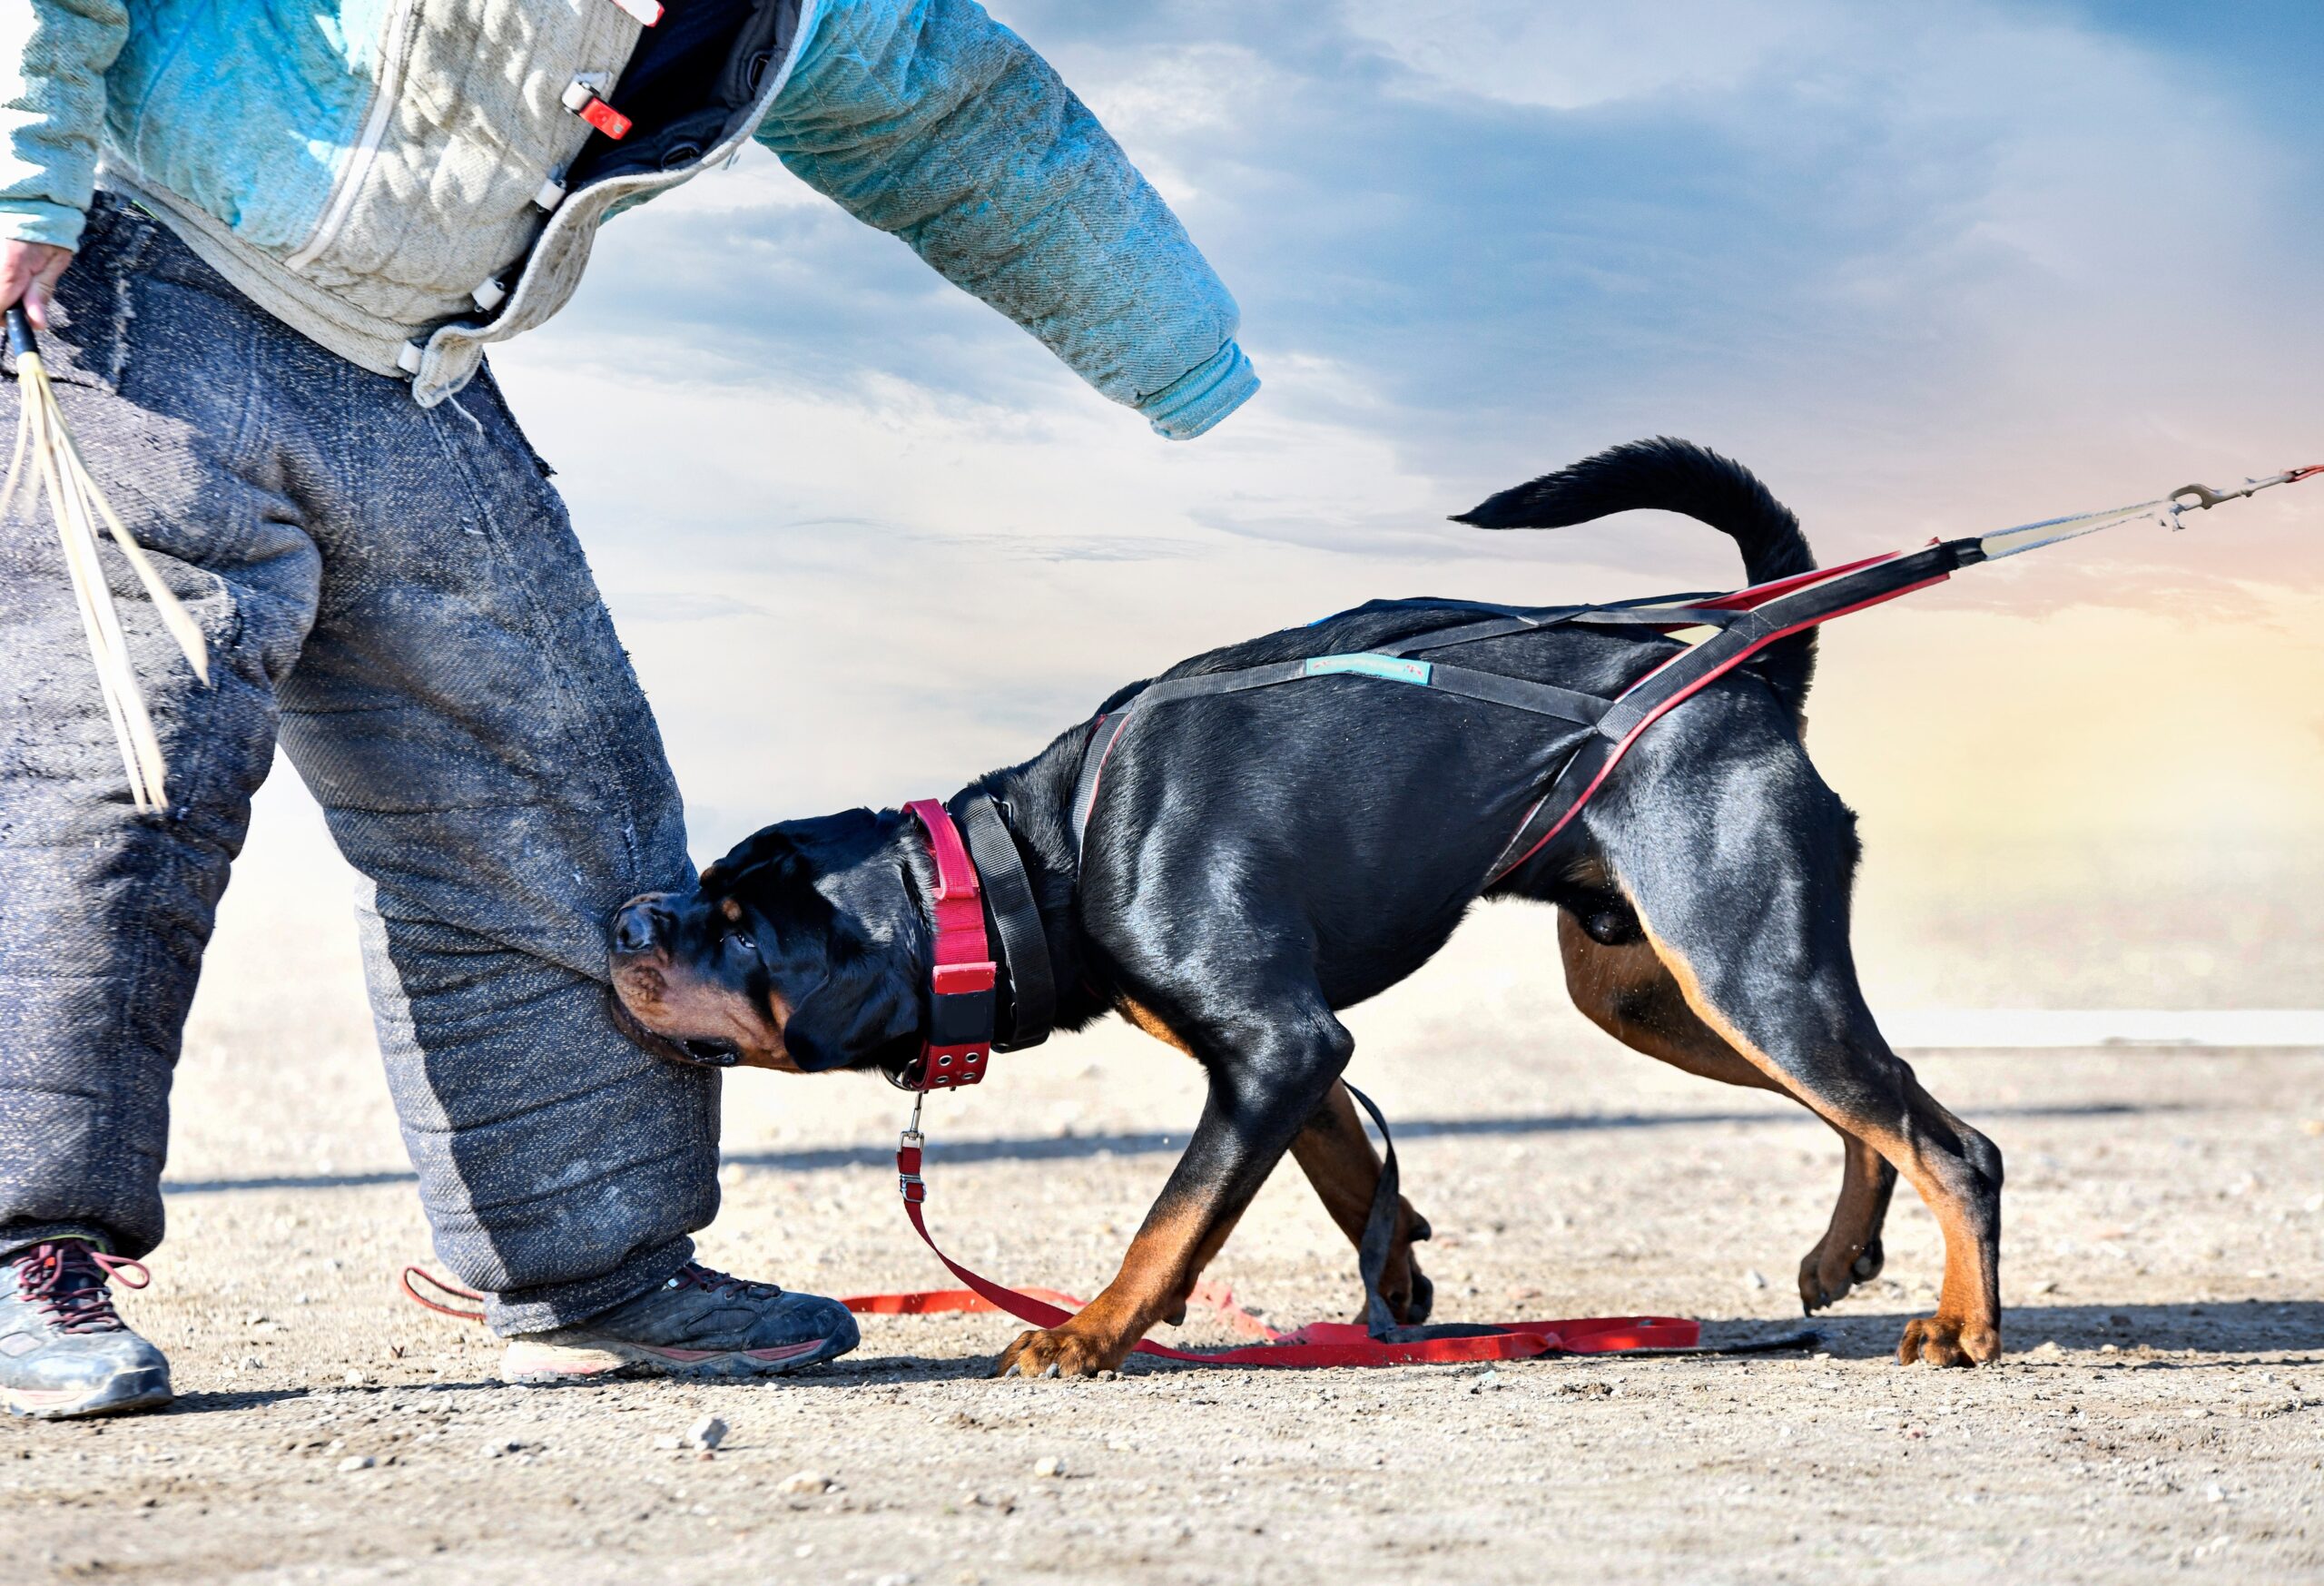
28, 271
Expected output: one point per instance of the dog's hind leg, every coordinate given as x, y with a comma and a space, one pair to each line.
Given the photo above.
1737, 860
1338, 1159
1624, 987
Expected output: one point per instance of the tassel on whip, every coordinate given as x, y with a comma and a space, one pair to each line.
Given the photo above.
76, 506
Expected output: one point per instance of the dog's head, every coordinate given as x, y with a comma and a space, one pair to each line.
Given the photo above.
797, 951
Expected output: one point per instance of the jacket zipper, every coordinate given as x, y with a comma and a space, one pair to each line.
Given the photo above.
395, 56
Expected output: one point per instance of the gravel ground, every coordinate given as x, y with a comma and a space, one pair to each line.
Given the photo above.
2160, 1411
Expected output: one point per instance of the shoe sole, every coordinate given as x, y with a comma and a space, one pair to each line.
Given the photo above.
123, 1394
530, 1361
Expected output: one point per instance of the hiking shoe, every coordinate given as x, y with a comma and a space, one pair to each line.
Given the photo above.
64, 1349
700, 1323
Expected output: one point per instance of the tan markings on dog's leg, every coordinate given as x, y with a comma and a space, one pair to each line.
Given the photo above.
1850, 1251
1630, 993
1147, 1020
1339, 1160
1966, 1328
1156, 1274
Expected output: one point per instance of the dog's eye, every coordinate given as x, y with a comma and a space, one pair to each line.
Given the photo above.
742, 942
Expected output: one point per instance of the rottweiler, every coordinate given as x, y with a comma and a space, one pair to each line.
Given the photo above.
1261, 859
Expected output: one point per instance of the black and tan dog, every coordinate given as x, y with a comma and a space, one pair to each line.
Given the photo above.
1263, 859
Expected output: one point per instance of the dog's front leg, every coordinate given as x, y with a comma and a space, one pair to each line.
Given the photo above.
1266, 1079
1337, 1156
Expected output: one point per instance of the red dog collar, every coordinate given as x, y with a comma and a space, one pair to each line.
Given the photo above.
959, 1048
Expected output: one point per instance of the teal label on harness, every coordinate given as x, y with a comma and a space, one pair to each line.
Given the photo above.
1394, 668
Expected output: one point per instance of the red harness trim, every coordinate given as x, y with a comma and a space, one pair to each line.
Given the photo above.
1741, 600
961, 980
1319, 1344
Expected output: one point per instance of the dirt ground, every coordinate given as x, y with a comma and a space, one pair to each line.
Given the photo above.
2159, 1412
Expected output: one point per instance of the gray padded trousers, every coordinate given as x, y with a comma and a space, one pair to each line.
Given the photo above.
396, 593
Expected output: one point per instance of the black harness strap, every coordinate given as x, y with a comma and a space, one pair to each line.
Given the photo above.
1744, 626
1024, 946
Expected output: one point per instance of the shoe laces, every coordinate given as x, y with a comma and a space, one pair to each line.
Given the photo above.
67, 1280
695, 1275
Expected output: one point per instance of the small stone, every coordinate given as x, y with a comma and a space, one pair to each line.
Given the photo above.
2048, 1285
2047, 1350
354, 1379
2214, 1493
707, 1433
1048, 1464
499, 1446
2110, 1349
1754, 1279
806, 1550
1490, 1379
803, 1484
356, 1461
669, 1442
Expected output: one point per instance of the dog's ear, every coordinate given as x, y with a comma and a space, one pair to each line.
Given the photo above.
864, 1005
766, 855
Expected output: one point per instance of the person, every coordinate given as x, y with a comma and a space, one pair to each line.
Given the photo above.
268, 246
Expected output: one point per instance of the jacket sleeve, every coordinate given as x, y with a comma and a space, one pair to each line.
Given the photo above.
928, 119
53, 55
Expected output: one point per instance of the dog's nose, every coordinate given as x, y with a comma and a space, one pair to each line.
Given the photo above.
637, 928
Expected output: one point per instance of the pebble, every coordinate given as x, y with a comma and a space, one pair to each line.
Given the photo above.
1490, 1379
707, 1433
804, 1484
356, 1461
1048, 1464
2047, 1350
669, 1442
1754, 1279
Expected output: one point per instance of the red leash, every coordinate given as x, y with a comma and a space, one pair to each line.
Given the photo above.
1318, 1343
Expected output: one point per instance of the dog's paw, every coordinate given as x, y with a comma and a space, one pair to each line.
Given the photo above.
1826, 1276
1423, 1300
1944, 1340
1057, 1351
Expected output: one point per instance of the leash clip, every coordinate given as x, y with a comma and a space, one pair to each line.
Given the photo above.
909, 1183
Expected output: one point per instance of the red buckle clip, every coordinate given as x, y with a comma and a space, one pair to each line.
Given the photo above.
954, 980
584, 101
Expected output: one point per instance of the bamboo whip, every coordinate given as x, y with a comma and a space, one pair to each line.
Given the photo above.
76, 506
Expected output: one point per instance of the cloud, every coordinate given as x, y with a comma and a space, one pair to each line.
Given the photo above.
1933, 271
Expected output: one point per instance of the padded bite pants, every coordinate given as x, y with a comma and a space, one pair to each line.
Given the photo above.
397, 595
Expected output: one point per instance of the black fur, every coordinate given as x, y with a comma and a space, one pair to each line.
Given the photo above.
1259, 861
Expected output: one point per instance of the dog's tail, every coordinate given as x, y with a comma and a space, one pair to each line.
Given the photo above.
1677, 476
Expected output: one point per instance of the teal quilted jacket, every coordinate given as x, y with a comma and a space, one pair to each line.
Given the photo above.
409, 180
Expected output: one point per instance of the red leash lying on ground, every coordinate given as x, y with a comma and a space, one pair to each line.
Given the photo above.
1318, 1343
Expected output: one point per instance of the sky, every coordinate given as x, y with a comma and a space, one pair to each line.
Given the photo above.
1931, 271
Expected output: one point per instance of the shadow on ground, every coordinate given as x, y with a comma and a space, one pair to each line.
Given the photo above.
2144, 1336
1082, 1148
